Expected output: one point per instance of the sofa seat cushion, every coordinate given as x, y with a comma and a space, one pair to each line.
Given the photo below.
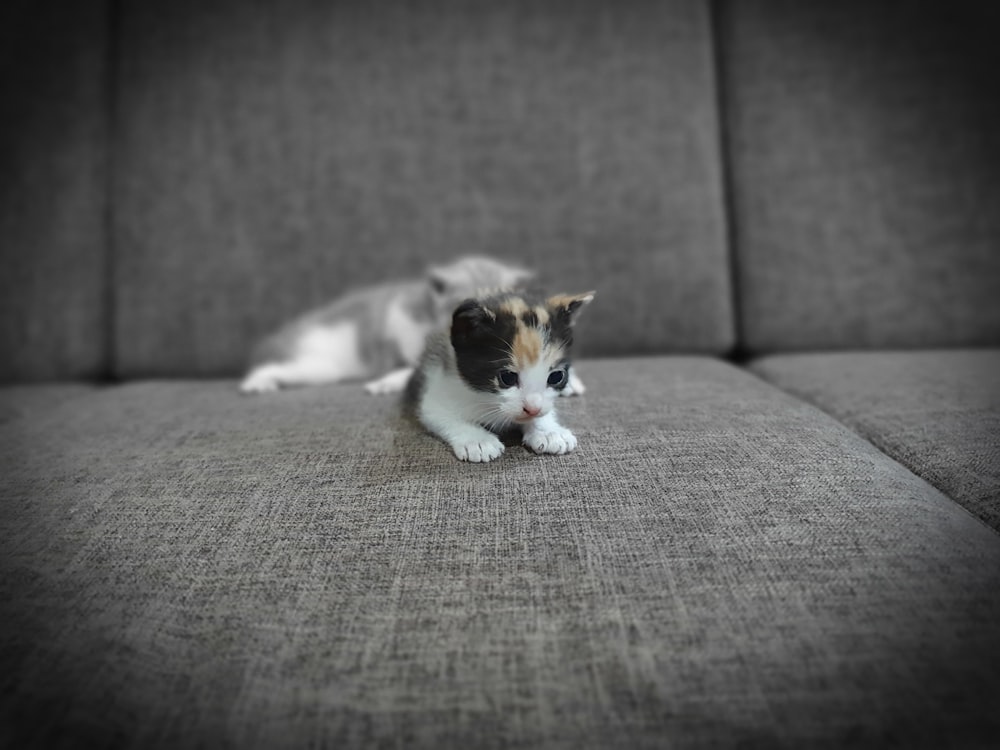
33, 401
936, 412
718, 563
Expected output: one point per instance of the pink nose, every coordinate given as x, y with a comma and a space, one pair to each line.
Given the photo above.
531, 411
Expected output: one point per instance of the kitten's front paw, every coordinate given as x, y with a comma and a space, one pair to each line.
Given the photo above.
258, 382
574, 387
393, 382
479, 450
557, 440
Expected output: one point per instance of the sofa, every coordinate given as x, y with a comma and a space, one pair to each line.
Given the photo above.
780, 526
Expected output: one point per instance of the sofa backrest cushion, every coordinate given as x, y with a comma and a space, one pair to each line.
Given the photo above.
865, 159
53, 188
271, 155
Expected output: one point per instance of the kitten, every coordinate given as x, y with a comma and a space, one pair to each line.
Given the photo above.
371, 331
501, 365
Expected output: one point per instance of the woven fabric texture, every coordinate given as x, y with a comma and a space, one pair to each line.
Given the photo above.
864, 144
936, 412
53, 188
271, 155
34, 401
718, 565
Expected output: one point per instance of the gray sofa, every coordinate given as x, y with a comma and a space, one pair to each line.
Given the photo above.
780, 528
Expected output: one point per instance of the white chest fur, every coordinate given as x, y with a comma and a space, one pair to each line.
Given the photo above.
457, 414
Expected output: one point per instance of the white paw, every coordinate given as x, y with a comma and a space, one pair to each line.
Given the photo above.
557, 440
479, 450
257, 382
394, 382
574, 387
381, 387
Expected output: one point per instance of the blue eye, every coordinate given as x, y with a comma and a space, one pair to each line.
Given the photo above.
507, 378
557, 378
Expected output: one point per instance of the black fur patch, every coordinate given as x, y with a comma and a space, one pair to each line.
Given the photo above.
562, 322
482, 344
561, 328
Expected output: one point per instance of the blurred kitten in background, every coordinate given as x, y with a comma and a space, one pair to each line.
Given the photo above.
374, 332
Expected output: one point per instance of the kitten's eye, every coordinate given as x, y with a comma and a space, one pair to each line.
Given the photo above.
507, 378
557, 378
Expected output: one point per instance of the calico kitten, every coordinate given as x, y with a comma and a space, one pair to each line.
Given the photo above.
372, 331
501, 365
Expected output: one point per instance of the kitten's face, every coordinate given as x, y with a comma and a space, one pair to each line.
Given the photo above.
515, 352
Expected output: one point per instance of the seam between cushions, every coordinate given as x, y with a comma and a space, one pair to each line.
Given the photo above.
724, 146
111, 114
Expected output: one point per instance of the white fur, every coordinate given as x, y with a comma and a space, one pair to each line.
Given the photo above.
392, 382
546, 435
532, 392
460, 415
575, 387
323, 355
408, 333
453, 411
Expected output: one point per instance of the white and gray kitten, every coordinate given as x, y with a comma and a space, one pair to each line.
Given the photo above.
501, 365
375, 332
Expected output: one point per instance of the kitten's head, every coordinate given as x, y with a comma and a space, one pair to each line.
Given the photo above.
467, 276
516, 350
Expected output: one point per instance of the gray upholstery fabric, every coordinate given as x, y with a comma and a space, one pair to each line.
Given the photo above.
718, 565
33, 401
53, 178
272, 154
865, 158
937, 412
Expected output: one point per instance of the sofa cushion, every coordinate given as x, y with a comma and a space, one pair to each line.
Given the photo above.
865, 157
936, 412
53, 189
34, 401
271, 155
718, 563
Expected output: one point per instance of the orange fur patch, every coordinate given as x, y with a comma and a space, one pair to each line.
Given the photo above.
530, 343
527, 345
515, 306
565, 300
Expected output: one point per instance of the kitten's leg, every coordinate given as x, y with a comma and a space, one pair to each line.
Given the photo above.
546, 435
468, 441
297, 372
262, 379
392, 382
575, 387
323, 355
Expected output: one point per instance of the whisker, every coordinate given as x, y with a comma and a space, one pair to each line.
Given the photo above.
493, 417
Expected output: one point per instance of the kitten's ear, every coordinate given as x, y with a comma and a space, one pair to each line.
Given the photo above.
469, 318
568, 306
437, 279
